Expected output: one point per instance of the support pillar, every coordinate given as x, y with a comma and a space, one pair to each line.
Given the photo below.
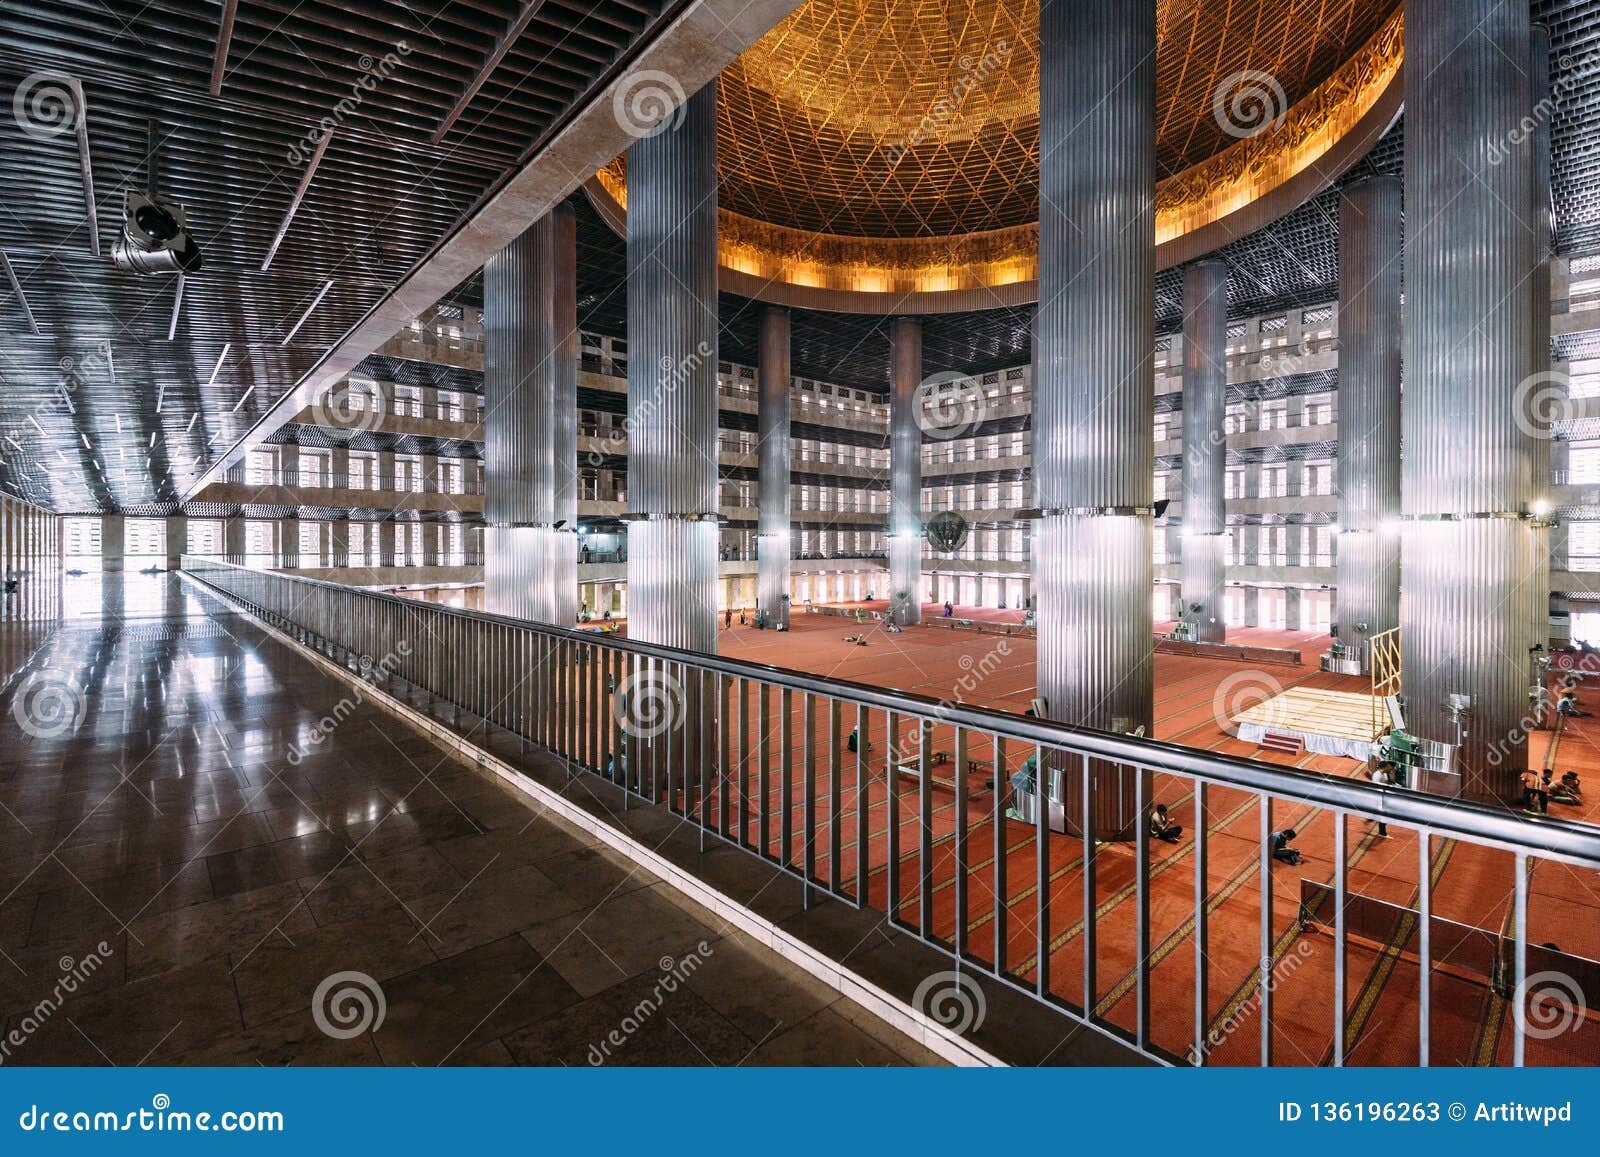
772, 417
1205, 446
1291, 608
530, 392
1367, 553
905, 472
288, 546
1467, 551
177, 535
235, 540
386, 532
1094, 401
1252, 606
113, 541
672, 380
1540, 503
339, 542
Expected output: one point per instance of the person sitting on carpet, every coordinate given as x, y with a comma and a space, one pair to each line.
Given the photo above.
1558, 792
1568, 705
1571, 784
1281, 850
1162, 827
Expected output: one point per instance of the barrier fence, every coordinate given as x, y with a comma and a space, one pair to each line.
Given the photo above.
905, 805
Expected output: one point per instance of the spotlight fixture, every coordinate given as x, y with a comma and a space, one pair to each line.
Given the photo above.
154, 238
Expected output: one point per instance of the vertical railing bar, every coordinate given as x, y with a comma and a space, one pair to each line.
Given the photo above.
892, 867
786, 776
835, 798
863, 811
1264, 987
1340, 977
1202, 922
1142, 784
763, 777
808, 810
925, 828
1001, 889
725, 738
1091, 995
1519, 992
744, 762
1424, 947
960, 756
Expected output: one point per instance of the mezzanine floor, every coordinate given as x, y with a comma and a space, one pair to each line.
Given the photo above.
167, 818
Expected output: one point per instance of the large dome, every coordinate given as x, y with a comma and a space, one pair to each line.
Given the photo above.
873, 146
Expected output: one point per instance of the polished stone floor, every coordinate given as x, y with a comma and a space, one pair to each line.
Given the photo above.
213, 854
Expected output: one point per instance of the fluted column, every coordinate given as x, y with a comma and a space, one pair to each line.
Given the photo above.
177, 534
113, 541
905, 472
672, 380
772, 417
1466, 482
1544, 239
1095, 376
1368, 547
1205, 446
235, 540
530, 382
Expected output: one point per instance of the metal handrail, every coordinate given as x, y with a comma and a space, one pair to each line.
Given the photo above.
569, 689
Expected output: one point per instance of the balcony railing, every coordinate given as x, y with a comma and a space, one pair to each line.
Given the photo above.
898, 803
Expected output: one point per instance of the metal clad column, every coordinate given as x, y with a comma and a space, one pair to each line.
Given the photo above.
530, 423
1467, 554
672, 380
562, 382
1368, 548
1205, 446
773, 546
1544, 240
1094, 397
905, 472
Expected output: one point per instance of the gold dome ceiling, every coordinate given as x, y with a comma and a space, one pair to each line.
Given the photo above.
891, 146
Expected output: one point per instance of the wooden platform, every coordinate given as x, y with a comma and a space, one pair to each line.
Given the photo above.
1331, 722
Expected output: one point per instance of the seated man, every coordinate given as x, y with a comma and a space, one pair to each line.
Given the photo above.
1162, 827
1571, 784
1280, 846
1568, 705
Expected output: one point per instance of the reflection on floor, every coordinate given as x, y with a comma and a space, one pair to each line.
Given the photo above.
203, 832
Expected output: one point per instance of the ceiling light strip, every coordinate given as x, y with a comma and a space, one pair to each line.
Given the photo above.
221, 358
22, 298
85, 165
310, 309
294, 202
177, 310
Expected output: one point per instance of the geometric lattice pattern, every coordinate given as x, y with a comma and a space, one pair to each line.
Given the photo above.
920, 118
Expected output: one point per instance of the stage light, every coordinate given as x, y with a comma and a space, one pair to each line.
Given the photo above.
154, 238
